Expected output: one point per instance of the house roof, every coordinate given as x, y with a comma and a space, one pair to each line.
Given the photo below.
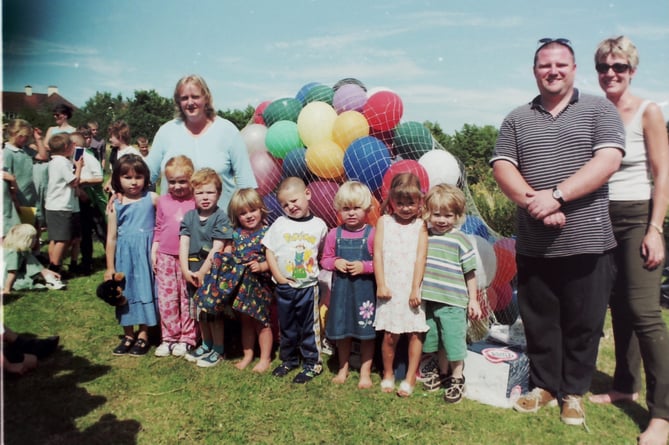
16, 102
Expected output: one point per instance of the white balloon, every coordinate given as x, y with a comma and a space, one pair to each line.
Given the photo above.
254, 137
441, 166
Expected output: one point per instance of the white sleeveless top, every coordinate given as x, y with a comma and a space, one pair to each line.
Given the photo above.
632, 182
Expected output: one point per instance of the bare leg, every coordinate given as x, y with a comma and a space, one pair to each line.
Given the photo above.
343, 354
265, 341
415, 353
143, 332
614, 396
366, 356
57, 251
248, 341
657, 432
457, 367
388, 355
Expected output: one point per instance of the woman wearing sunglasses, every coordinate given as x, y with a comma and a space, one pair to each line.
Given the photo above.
638, 198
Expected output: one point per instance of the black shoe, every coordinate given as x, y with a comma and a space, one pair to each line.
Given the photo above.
307, 374
124, 347
141, 347
283, 369
455, 388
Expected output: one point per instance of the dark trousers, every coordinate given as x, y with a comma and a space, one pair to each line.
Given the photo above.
638, 328
92, 222
299, 324
563, 304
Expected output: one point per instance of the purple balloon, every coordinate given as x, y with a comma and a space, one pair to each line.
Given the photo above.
349, 97
273, 207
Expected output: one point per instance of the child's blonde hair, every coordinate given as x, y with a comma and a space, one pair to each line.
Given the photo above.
445, 197
182, 163
206, 176
16, 126
59, 143
403, 187
242, 199
20, 238
353, 194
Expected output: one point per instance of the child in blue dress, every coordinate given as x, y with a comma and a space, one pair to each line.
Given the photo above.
130, 222
348, 251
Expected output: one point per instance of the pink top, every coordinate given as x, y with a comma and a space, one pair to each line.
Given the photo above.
169, 213
328, 259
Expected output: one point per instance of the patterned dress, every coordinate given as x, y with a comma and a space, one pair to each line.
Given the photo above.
255, 292
400, 242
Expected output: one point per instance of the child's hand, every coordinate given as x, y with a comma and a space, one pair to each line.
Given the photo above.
354, 268
414, 298
383, 292
254, 266
46, 272
194, 278
341, 265
474, 309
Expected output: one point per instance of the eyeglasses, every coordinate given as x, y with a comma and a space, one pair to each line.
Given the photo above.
562, 41
618, 68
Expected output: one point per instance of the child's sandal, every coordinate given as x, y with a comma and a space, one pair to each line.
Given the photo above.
405, 389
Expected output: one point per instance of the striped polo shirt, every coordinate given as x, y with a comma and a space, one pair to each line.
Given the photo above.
548, 149
449, 257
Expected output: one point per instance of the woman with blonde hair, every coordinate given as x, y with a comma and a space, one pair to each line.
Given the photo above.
638, 199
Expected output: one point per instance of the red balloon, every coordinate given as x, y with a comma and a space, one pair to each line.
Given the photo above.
383, 110
322, 196
504, 294
257, 115
267, 171
405, 166
506, 264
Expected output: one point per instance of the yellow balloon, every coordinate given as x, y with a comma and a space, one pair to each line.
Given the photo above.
349, 126
325, 159
315, 121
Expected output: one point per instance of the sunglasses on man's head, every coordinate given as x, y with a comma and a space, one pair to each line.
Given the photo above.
618, 68
546, 40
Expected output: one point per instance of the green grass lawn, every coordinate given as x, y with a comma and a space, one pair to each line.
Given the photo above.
84, 395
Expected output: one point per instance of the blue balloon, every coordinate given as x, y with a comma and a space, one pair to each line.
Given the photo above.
366, 160
273, 207
475, 226
302, 94
294, 164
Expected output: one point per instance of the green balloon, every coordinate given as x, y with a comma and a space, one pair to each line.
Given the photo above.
321, 93
412, 140
286, 109
282, 137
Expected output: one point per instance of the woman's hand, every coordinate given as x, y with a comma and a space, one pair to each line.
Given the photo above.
652, 249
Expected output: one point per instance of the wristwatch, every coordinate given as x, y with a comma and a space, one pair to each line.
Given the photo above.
557, 195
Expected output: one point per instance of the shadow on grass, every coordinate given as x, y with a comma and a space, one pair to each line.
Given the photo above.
602, 382
43, 406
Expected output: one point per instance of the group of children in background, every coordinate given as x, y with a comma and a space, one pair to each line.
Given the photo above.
412, 274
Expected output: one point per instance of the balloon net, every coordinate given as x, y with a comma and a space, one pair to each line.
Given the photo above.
327, 135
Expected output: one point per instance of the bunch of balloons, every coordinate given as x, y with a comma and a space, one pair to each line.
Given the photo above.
326, 135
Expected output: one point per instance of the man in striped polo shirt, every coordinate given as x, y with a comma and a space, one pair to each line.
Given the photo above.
553, 158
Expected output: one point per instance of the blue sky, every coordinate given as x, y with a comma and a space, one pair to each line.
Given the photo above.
451, 62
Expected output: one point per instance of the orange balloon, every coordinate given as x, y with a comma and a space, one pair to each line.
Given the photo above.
325, 159
349, 126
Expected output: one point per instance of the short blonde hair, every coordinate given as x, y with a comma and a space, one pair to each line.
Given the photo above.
620, 46
353, 194
445, 197
180, 162
206, 176
242, 199
20, 238
15, 126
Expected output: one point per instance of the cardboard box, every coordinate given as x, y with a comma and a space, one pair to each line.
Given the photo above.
496, 374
